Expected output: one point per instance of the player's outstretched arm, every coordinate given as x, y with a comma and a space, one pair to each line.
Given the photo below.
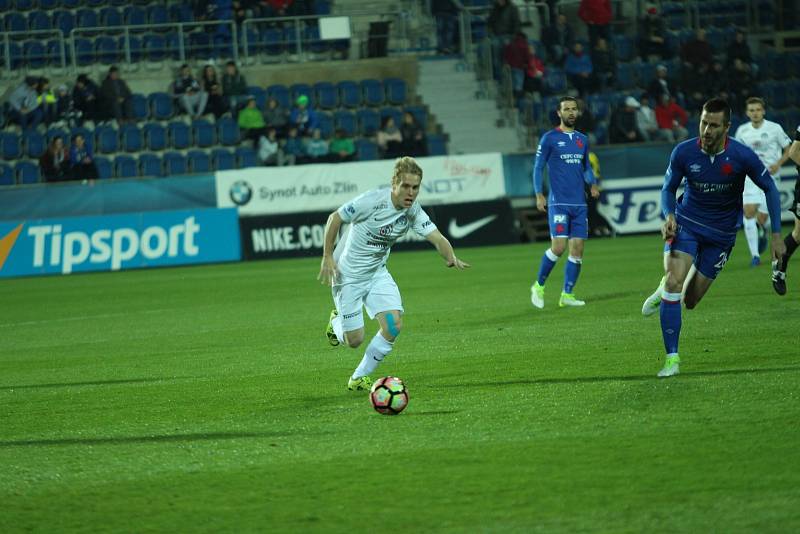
445, 250
327, 270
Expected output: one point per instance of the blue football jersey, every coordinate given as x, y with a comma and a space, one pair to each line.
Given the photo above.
566, 155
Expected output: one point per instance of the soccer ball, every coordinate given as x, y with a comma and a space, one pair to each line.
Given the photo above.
389, 395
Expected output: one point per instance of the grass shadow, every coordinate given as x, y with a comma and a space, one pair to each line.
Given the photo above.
125, 440
127, 381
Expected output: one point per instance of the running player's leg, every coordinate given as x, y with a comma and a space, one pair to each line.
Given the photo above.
653, 303
347, 319
791, 241
559, 233
750, 223
678, 265
578, 224
709, 261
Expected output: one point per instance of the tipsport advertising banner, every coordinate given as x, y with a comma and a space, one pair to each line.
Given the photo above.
112, 243
325, 187
633, 205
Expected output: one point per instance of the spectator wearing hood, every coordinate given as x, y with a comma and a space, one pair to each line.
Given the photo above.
623, 127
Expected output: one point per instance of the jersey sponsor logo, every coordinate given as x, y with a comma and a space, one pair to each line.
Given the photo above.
240, 192
559, 218
459, 231
572, 158
562, 143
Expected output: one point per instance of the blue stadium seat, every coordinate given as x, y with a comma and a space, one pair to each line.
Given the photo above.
105, 169
106, 50
312, 40
134, 16
601, 132
259, 93
325, 121
179, 134
86, 18
70, 4
272, 41
111, 17
88, 135
52, 133
54, 52
10, 145
26, 172
106, 139
599, 106
157, 14
94, 3
15, 22
367, 150
173, 40
227, 131
161, 107
624, 46
326, 95
394, 113
84, 52
139, 106
420, 114
132, 138
135, 43
298, 89
281, 94
199, 45
15, 54
63, 20
222, 159
24, 5
35, 54
345, 120
7, 175
626, 78
396, 92
369, 121
250, 36
155, 136
349, 94
34, 144
150, 165
154, 47
48, 5
555, 81
199, 161
437, 145
204, 133
175, 164
181, 13
373, 92
246, 157
39, 20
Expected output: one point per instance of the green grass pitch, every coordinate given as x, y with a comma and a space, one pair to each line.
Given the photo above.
207, 399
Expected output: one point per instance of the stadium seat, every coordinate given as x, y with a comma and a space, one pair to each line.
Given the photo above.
367, 150
312, 40
157, 14
181, 13
420, 114
110, 17
49, 5
626, 78
246, 157
134, 16
325, 95
199, 161
222, 159
136, 46
259, 93
345, 120
155, 136
154, 47
54, 52
106, 50
555, 81
325, 121
204, 133
369, 121
227, 131
94, 3
281, 94
34, 144
139, 106
106, 139
84, 52
175, 164
199, 45
125, 167
349, 94
63, 20
52, 133
26, 172
272, 41
86, 18
39, 20
10, 146
179, 134
298, 89
373, 92
599, 106
35, 54
150, 165
14, 53
249, 41
24, 5
105, 169
7, 175
70, 4
437, 145
395, 91
161, 107
132, 138
395, 113
15, 22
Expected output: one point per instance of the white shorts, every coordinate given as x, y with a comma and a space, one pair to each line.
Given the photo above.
754, 195
378, 294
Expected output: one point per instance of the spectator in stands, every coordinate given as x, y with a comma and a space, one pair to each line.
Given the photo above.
579, 70
303, 117
503, 23
217, 104
534, 73
389, 139
604, 62
623, 127
698, 51
116, 97
276, 116
82, 159
342, 148
557, 40
719, 85
695, 83
251, 121
597, 16
46, 100
415, 143
317, 149
85, 97
661, 85
234, 87
66, 114
646, 121
671, 120
738, 49
445, 13
23, 104
294, 149
269, 152
189, 93
586, 123
652, 35
741, 83
517, 55
54, 163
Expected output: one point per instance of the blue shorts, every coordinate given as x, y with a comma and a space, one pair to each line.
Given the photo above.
709, 256
568, 221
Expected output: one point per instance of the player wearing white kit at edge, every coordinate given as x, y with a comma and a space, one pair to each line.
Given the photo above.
771, 144
356, 269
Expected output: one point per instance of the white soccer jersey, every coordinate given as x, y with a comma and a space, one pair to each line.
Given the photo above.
375, 226
767, 142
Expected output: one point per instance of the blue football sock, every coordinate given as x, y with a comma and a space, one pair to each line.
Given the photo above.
571, 272
548, 262
671, 321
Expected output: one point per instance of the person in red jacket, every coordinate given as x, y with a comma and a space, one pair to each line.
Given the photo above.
597, 15
671, 119
516, 55
534, 74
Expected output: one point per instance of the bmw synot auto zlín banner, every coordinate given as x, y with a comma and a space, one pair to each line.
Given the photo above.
111, 243
309, 188
634, 205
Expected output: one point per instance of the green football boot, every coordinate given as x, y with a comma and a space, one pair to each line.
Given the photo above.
362, 383
329, 333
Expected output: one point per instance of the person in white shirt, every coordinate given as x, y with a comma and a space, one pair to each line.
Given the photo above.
356, 269
771, 144
646, 121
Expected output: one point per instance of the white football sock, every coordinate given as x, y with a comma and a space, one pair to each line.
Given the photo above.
337, 328
376, 351
751, 233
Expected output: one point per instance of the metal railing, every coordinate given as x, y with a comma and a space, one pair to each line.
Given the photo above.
11, 40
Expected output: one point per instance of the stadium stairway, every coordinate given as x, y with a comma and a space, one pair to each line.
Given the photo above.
450, 92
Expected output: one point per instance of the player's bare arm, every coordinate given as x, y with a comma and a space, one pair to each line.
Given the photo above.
541, 202
327, 270
445, 250
669, 228
775, 168
594, 191
794, 152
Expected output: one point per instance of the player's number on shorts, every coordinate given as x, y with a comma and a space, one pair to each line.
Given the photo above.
723, 259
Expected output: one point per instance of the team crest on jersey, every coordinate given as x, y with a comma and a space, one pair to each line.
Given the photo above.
694, 167
579, 142
727, 168
350, 209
